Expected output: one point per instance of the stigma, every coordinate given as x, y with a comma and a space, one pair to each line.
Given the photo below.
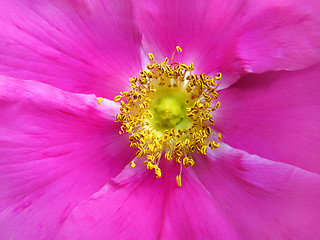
168, 114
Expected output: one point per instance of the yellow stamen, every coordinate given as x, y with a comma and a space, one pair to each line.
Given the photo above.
214, 145
99, 100
178, 178
157, 171
117, 98
219, 137
132, 164
178, 49
218, 77
169, 111
151, 57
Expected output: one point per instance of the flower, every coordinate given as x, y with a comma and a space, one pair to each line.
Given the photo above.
64, 168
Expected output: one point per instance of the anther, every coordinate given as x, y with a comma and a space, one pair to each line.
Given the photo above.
132, 164
117, 98
99, 100
178, 178
151, 57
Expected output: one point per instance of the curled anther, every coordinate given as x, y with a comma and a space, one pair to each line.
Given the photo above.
151, 57
214, 145
219, 75
132, 164
99, 100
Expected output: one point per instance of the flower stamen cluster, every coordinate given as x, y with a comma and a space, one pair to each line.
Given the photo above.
169, 111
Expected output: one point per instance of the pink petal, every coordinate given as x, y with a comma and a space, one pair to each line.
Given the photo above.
276, 117
263, 199
285, 36
56, 149
136, 205
78, 46
205, 30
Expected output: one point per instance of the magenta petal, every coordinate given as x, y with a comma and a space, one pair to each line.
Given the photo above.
275, 115
205, 30
263, 199
56, 149
136, 205
78, 46
284, 36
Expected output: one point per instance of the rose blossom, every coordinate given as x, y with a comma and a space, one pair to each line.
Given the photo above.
64, 167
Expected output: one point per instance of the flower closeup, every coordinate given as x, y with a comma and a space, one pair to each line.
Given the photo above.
142, 119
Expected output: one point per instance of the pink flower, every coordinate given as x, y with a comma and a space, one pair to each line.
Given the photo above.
64, 168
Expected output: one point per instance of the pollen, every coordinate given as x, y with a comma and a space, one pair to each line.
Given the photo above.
168, 114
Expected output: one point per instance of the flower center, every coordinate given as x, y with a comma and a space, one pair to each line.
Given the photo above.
169, 111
